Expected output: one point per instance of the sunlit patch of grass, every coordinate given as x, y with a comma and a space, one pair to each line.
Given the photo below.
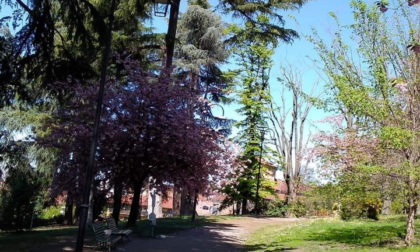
333, 235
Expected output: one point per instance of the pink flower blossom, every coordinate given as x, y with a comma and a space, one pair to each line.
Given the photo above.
402, 87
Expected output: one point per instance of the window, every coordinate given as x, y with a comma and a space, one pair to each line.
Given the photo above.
205, 208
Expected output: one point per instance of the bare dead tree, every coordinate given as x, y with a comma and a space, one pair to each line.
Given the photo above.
289, 120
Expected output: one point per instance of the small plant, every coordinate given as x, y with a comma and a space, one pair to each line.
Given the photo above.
276, 209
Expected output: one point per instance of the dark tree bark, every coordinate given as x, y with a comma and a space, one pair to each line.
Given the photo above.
68, 215
171, 35
238, 208
116, 209
244, 203
195, 205
134, 210
76, 214
91, 202
183, 208
174, 202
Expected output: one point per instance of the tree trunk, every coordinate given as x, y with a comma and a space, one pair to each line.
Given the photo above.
68, 215
291, 192
409, 233
171, 34
116, 208
244, 204
238, 207
386, 208
183, 208
175, 202
195, 205
76, 214
134, 210
90, 212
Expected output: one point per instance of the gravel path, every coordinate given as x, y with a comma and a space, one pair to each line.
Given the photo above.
224, 236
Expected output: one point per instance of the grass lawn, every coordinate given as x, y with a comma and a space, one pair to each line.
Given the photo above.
334, 235
61, 238
38, 239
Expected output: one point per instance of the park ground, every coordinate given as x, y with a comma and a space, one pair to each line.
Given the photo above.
233, 234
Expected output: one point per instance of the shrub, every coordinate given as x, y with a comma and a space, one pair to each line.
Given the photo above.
372, 208
276, 209
397, 207
50, 212
360, 208
351, 210
59, 219
317, 205
17, 200
297, 208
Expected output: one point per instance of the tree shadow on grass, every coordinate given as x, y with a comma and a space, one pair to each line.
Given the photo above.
62, 239
211, 236
42, 239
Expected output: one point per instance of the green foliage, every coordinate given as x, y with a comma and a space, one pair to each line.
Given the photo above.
276, 209
297, 208
353, 208
264, 19
395, 137
17, 199
321, 205
252, 89
397, 206
50, 212
378, 95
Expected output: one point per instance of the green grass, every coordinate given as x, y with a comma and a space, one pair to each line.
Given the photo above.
39, 238
334, 235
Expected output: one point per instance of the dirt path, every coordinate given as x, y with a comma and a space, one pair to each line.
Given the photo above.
223, 236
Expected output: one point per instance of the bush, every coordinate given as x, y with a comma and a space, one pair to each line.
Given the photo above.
50, 213
297, 208
351, 210
17, 200
276, 209
360, 208
372, 208
59, 219
317, 205
397, 207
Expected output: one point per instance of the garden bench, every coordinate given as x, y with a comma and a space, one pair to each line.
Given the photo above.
115, 231
102, 239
